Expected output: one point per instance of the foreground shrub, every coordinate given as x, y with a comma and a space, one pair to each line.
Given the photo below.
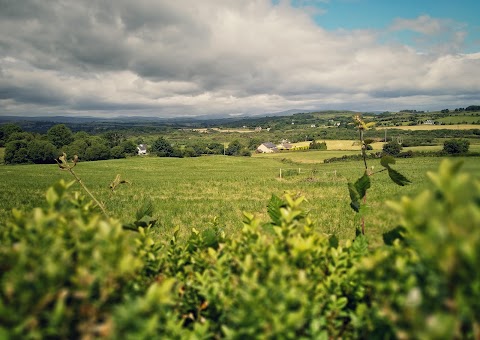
69, 272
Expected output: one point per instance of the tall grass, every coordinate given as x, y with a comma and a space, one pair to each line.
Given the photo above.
192, 192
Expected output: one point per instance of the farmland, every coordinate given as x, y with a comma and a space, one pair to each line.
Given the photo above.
192, 192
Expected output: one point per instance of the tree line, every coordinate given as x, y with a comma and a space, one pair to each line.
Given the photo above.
25, 147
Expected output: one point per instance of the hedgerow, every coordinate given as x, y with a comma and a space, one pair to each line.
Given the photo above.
69, 271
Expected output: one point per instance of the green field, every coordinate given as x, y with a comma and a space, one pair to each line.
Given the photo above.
191, 192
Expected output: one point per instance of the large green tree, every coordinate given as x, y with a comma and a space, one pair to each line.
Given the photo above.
16, 152
6, 130
60, 135
41, 152
162, 148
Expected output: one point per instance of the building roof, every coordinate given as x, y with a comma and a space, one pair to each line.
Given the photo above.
270, 145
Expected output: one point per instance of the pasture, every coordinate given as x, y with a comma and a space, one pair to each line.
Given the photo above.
193, 192
434, 127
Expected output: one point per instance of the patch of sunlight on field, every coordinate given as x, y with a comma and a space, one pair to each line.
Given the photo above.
2, 155
434, 127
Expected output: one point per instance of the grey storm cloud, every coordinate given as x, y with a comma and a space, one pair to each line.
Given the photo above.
213, 56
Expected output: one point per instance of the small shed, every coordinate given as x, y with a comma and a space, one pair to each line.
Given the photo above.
142, 149
267, 147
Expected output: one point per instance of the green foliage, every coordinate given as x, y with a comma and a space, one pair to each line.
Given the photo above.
68, 272
6, 130
358, 190
436, 260
394, 175
60, 135
456, 146
129, 147
234, 148
392, 148
41, 152
164, 149
117, 152
16, 152
63, 269
318, 145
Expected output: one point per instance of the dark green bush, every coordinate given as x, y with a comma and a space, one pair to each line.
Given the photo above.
318, 145
392, 148
456, 146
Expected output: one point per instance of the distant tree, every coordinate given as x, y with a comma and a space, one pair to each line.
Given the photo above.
16, 152
78, 147
456, 146
81, 135
41, 152
190, 152
214, 148
234, 148
21, 136
60, 135
318, 145
113, 138
253, 143
6, 130
162, 148
97, 150
245, 152
117, 152
393, 148
129, 147
473, 108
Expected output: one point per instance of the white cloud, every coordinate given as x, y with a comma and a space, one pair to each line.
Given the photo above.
213, 57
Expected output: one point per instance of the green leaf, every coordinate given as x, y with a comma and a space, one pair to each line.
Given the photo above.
333, 241
396, 233
355, 197
145, 210
386, 160
397, 177
362, 185
273, 209
52, 196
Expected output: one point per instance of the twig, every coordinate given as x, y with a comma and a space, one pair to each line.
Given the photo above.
63, 165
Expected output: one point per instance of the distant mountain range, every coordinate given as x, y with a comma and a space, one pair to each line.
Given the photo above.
142, 119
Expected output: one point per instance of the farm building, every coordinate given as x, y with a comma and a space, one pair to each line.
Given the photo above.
142, 149
285, 146
267, 147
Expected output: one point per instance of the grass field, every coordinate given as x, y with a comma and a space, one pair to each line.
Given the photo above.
191, 192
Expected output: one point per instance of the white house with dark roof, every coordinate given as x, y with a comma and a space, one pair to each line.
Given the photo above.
267, 147
142, 149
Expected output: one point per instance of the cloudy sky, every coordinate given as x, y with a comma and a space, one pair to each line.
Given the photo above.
228, 57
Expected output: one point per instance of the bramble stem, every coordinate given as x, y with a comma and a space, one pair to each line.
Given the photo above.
88, 191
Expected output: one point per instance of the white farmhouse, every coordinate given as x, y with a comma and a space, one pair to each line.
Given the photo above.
142, 149
267, 147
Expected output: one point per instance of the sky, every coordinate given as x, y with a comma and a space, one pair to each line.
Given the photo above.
188, 58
